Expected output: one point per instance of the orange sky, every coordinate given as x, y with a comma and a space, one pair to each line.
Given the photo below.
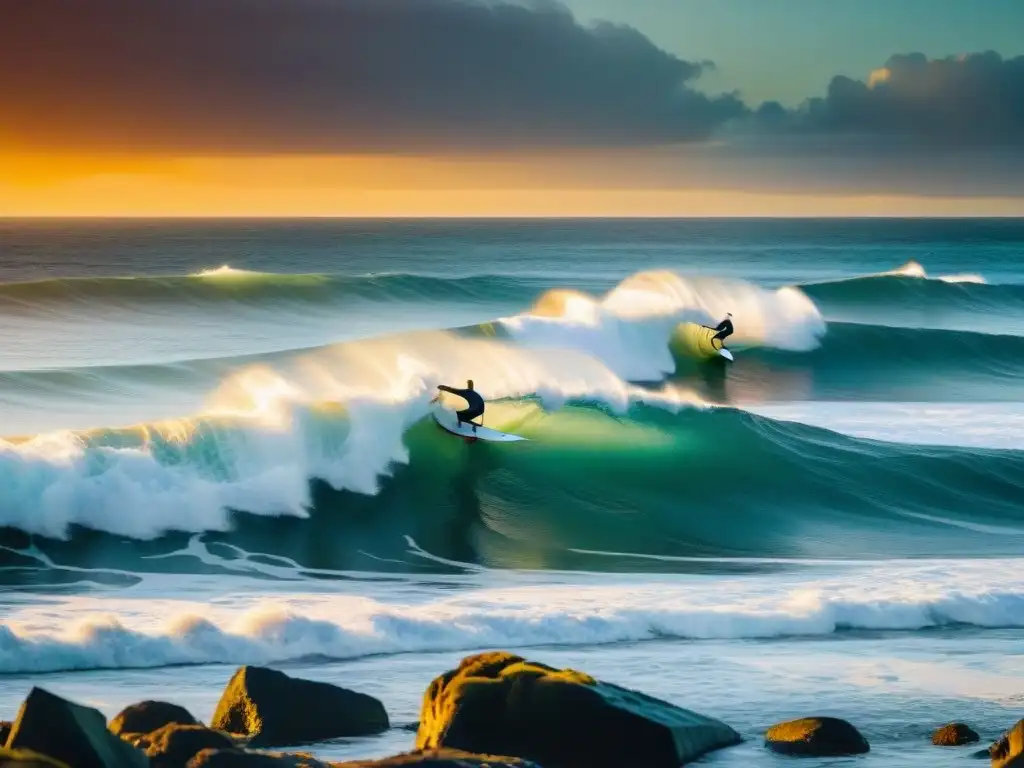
394, 186
464, 108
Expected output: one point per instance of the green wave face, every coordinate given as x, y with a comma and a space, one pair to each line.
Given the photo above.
722, 483
867, 363
645, 490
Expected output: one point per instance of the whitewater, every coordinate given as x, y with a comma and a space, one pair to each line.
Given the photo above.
216, 448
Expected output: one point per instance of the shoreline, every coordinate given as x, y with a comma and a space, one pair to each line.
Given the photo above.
701, 676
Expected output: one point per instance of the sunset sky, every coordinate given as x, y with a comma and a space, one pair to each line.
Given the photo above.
491, 108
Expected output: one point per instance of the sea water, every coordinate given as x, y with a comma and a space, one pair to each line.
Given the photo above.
217, 450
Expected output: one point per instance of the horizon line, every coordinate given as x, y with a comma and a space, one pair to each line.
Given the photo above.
499, 217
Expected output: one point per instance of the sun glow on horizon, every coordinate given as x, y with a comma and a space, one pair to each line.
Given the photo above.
581, 185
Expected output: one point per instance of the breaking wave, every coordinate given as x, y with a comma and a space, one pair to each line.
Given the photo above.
327, 455
315, 625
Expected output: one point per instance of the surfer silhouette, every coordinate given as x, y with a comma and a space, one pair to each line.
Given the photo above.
472, 397
724, 329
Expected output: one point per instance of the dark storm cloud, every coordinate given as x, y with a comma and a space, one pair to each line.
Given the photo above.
336, 75
966, 101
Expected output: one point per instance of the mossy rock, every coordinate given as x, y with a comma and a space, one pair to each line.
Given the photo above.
70, 733
276, 710
500, 704
26, 758
954, 735
441, 758
1008, 752
174, 745
243, 758
816, 737
148, 716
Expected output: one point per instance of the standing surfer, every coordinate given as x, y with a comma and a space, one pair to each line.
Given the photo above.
472, 397
724, 329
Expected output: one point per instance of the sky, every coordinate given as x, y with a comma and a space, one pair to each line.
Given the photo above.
787, 50
502, 108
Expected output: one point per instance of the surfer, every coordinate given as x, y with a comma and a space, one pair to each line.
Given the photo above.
472, 397
724, 329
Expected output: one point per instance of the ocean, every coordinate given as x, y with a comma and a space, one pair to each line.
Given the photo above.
217, 450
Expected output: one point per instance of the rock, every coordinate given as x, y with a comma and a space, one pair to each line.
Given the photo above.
1008, 752
954, 735
70, 733
277, 710
5, 731
242, 758
148, 716
174, 745
497, 703
817, 737
26, 758
442, 758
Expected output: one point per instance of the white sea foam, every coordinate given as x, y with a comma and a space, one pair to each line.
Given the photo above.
227, 271
910, 269
143, 627
964, 278
914, 269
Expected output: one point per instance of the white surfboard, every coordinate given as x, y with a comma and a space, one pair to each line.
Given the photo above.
448, 421
726, 354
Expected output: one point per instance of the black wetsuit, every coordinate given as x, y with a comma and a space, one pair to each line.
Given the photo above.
471, 396
724, 329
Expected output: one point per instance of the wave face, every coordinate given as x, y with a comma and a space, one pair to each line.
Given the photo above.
89, 322
879, 363
224, 286
648, 487
241, 421
908, 297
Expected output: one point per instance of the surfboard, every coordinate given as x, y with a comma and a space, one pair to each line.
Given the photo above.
700, 341
449, 422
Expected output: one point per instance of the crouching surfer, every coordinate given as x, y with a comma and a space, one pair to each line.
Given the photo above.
472, 398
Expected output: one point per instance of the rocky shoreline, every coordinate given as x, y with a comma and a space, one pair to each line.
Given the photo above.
495, 710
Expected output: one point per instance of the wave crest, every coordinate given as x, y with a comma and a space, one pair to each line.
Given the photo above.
630, 327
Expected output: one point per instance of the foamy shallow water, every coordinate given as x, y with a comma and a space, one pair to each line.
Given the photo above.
897, 648
895, 687
179, 619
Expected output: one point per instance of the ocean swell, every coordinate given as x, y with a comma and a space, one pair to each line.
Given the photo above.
229, 286
908, 297
333, 446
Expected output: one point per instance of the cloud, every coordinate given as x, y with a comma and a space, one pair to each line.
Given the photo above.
970, 101
253, 76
